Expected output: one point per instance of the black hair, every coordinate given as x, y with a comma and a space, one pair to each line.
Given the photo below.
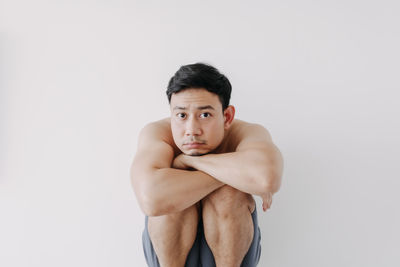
201, 75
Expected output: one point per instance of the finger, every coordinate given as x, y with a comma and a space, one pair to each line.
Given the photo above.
267, 202
265, 205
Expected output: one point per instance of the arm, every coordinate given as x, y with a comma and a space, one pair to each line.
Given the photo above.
255, 167
159, 188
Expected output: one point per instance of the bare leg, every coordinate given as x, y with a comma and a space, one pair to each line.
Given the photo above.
228, 225
173, 235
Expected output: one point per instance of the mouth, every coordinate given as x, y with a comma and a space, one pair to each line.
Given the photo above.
193, 145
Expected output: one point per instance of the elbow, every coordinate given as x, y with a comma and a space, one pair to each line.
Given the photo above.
149, 206
272, 187
149, 210
148, 203
272, 172
153, 206
272, 176
145, 195
152, 199
271, 183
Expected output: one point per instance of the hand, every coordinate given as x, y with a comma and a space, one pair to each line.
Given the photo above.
267, 200
179, 162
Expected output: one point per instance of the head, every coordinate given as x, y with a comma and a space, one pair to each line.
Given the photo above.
200, 112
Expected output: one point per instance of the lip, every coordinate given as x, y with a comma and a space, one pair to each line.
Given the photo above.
193, 145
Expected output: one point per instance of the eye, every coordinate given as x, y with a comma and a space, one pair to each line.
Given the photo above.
205, 115
181, 115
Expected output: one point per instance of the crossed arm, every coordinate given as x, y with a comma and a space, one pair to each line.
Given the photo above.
163, 184
255, 167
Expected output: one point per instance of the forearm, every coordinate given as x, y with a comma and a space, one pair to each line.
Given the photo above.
247, 171
170, 190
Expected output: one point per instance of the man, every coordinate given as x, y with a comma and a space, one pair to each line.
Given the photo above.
194, 175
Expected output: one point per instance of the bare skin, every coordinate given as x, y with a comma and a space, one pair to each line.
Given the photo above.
173, 235
228, 224
210, 159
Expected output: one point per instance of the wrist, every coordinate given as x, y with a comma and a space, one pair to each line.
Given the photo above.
188, 160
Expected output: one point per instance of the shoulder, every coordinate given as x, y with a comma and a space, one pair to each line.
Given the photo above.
245, 130
153, 150
242, 132
157, 132
156, 128
160, 124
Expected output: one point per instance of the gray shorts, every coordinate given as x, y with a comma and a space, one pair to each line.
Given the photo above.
200, 254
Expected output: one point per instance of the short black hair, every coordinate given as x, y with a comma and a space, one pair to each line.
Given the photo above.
201, 75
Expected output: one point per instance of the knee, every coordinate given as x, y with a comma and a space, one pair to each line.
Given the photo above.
227, 200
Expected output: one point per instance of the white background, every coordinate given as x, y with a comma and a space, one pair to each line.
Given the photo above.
79, 79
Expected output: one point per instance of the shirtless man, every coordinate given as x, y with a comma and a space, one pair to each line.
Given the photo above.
194, 175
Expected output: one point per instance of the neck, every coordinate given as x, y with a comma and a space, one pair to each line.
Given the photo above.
222, 148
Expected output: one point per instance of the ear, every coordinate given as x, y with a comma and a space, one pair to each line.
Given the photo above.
229, 114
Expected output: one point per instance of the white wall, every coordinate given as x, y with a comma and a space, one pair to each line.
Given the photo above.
79, 79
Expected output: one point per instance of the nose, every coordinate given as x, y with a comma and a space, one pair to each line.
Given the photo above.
193, 127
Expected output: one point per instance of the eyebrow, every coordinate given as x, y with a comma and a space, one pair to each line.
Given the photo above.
199, 108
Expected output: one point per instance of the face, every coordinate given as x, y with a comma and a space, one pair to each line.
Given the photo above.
198, 123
